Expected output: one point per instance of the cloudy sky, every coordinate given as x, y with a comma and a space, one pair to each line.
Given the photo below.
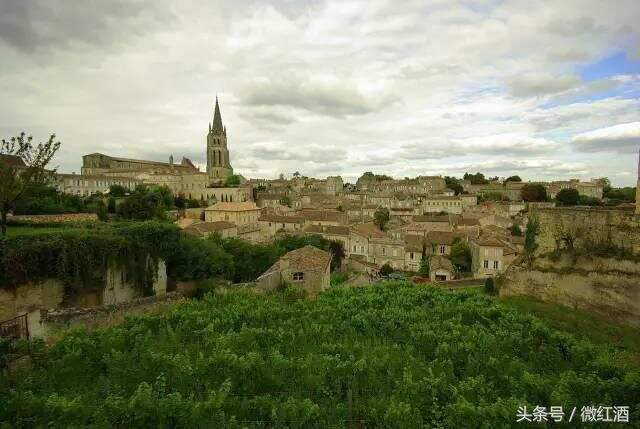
544, 89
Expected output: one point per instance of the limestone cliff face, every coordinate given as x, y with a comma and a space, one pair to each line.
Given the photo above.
610, 287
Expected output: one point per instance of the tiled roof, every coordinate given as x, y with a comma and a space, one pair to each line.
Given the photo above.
320, 215
441, 237
280, 218
438, 262
414, 243
208, 227
431, 218
327, 229
368, 230
233, 207
307, 258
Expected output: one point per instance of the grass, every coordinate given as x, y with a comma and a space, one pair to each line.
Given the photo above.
580, 323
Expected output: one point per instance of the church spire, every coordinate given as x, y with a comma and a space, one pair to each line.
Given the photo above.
216, 127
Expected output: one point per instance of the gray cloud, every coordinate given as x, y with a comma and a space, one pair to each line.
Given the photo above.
622, 138
336, 99
272, 151
536, 84
38, 24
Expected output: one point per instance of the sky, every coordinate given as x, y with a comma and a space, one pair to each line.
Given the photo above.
542, 89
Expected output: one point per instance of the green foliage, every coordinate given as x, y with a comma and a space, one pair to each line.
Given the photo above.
515, 230
490, 287
339, 277
286, 201
461, 256
425, 269
454, 184
146, 204
29, 169
589, 201
476, 179
513, 179
530, 245
621, 195
101, 211
391, 356
117, 191
381, 218
336, 248
233, 180
492, 196
369, 176
568, 197
534, 192
386, 269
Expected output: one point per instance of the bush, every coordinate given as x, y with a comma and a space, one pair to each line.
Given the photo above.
489, 286
386, 269
568, 197
533, 192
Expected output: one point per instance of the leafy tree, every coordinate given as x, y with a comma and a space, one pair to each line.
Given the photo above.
101, 211
381, 218
336, 248
620, 195
232, 181
568, 197
530, 245
461, 256
29, 169
386, 269
534, 192
296, 175
179, 201
146, 204
589, 201
454, 184
117, 191
476, 179
111, 205
425, 269
513, 179
606, 184
286, 201
516, 230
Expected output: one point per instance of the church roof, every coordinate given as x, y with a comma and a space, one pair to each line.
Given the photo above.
216, 126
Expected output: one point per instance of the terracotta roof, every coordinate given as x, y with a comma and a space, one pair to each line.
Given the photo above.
208, 227
12, 160
489, 241
327, 229
320, 215
437, 262
233, 207
431, 218
280, 218
441, 237
307, 258
368, 230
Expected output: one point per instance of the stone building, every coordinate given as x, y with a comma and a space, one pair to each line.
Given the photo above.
205, 229
86, 184
244, 213
307, 267
218, 164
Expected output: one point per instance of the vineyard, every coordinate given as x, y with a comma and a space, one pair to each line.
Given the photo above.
393, 355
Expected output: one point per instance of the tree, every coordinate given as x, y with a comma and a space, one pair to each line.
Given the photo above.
21, 165
101, 211
454, 184
461, 256
476, 179
489, 286
232, 181
568, 197
145, 204
336, 249
530, 245
381, 218
296, 175
285, 201
516, 230
117, 191
513, 179
534, 192
424, 266
385, 270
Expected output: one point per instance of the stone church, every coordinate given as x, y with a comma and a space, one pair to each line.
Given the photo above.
99, 171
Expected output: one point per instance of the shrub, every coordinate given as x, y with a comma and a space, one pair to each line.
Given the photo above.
386, 269
489, 286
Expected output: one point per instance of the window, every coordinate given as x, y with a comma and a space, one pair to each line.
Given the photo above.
486, 263
411, 255
297, 277
442, 249
495, 265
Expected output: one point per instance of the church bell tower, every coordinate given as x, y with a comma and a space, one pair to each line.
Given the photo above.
218, 165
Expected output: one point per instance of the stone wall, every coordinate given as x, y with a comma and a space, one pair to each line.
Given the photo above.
56, 218
607, 286
34, 298
586, 226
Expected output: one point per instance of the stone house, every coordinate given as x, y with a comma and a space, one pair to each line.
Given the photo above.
334, 233
440, 268
487, 256
240, 213
323, 217
272, 224
413, 248
307, 267
377, 246
437, 204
